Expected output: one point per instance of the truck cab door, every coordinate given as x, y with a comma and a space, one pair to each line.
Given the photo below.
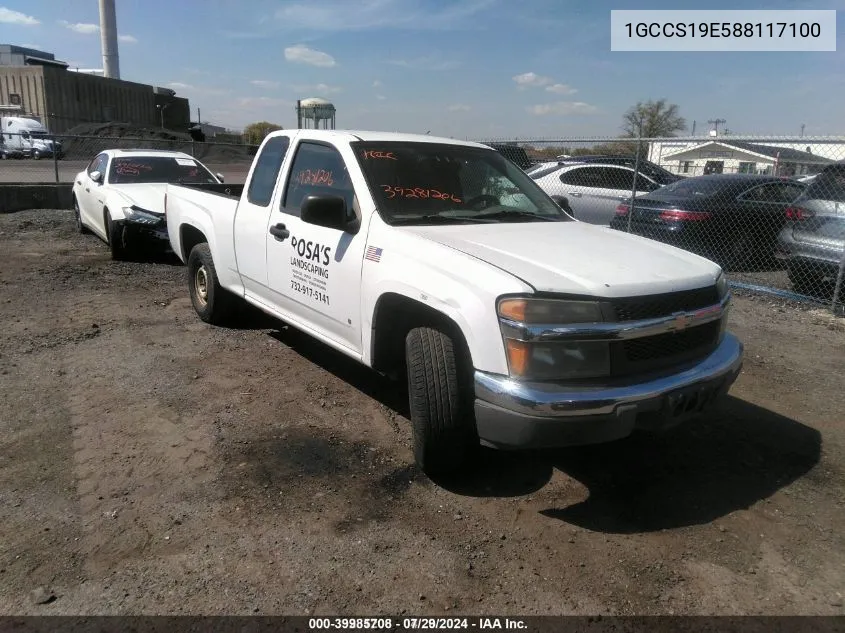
314, 272
253, 214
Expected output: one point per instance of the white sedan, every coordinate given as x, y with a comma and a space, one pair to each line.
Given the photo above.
120, 195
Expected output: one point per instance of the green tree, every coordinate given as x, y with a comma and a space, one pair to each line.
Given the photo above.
653, 119
254, 133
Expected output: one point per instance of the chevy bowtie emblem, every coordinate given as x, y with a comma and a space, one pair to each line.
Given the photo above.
681, 321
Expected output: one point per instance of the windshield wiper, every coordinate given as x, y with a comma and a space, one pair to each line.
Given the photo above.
436, 218
515, 213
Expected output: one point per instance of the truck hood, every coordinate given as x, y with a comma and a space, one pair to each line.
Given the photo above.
577, 258
149, 197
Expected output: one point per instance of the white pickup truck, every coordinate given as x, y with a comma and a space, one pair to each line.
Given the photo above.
516, 326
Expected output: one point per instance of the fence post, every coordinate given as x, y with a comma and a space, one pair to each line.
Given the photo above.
838, 288
55, 159
636, 174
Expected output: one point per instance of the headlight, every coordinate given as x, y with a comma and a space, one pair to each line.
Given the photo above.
133, 214
531, 359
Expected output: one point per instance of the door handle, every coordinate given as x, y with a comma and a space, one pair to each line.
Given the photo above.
574, 194
279, 232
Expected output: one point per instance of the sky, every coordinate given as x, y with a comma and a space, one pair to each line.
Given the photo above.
477, 69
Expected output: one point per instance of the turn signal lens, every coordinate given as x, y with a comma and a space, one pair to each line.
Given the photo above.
519, 353
513, 309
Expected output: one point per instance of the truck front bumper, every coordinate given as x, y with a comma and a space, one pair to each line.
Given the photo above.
518, 415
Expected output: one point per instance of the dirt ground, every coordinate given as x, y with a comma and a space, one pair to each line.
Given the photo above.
152, 464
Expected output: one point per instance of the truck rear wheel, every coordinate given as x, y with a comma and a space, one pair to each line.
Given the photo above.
213, 303
444, 434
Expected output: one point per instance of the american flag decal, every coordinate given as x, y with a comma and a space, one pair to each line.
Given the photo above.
373, 254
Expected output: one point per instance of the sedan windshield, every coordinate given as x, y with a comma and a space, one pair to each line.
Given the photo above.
157, 169
421, 183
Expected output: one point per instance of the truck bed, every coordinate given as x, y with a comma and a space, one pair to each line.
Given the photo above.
225, 190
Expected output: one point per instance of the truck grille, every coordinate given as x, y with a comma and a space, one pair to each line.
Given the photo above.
650, 307
662, 351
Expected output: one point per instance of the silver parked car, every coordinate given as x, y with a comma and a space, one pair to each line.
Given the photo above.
592, 191
813, 240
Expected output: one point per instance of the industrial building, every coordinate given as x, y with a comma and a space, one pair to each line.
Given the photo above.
34, 83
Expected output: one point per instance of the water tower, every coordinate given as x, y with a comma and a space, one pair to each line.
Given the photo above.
315, 113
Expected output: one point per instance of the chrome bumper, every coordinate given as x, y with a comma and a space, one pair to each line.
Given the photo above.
513, 414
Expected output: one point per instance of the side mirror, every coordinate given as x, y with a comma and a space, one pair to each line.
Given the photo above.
220, 177
326, 210
96, 176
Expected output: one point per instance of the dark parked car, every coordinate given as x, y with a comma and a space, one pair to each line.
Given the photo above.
7, 153
515, 154
733, 219
813, 239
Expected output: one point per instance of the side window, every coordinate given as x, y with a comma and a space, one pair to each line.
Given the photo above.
618, 179
266, 171
95, 163
99, 164
317, 169
757, 194
582, 177
646, 184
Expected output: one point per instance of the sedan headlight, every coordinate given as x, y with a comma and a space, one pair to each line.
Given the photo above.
139, 216
532, 357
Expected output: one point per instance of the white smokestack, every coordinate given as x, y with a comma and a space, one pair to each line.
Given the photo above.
108, 39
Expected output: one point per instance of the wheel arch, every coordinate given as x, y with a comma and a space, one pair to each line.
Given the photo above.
394, 315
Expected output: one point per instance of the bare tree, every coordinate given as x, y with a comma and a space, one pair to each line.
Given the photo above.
653, 119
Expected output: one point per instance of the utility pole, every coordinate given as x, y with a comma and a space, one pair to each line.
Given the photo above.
715, 123
802, 129
693, 129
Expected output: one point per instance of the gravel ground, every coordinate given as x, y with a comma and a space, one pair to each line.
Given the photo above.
152, 464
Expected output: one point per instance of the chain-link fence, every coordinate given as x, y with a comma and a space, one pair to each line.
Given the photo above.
770, 211
43, 158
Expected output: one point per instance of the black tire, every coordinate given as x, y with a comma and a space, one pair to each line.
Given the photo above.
444, 434
213, 303
77, 216
803, 280
118, 246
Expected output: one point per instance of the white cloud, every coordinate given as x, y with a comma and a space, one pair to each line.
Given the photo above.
323, 89
426, 63
178, 85
342, 15
127, 39
532, 80
376, 83
561, 89
8, 16
381, 97
36, 47
265, 83
81, 27
459, 107
304, 55
562, 108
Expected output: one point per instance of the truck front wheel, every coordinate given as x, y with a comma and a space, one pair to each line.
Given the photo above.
213, 303
444, 434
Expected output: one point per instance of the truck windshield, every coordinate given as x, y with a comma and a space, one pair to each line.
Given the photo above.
422, 183
158, 169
